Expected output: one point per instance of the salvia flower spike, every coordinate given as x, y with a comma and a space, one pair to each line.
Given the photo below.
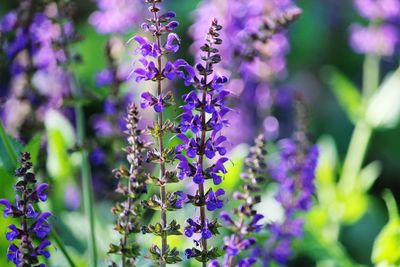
24, 251
245, 222
295, 174
131, 185
204, 112
154, 68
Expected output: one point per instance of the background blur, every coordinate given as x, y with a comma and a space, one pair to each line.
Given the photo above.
319, 40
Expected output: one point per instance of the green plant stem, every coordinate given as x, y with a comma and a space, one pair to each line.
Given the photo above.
63, 249
87, 187
370, 76
355, 156
362, 132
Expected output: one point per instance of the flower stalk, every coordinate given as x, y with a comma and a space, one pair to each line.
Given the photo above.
33, 224
156, 70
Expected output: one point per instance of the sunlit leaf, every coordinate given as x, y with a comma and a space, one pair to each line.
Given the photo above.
60, 137
386, 247
369, 174
346, 92
384, 108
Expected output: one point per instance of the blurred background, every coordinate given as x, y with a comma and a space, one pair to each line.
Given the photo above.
319, 50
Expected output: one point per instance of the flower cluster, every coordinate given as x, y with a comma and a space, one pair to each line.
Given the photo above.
33, 224
381, 36
34, 37
295, 175
155, 68
204, 111
116, 16
254, 49
245, 221
132, 185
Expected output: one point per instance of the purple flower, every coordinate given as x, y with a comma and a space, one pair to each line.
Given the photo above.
14, 234
146, 48
41, 248
172, 43
247, 262
14, 254
378, 9
148, 100
377, 40
7, 207
41, 228
243, 222
39, 193
212, 201
116, 16
8, 22
149, 71
255, 63
104, 78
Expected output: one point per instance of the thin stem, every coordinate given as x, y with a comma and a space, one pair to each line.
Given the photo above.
201, 158
201, 186
87, 186
362, 132
61, 246
164, 241
370, 76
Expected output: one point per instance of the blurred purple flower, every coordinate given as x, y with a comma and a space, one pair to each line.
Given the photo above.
257, 59
116, 16
376, 40
378, 9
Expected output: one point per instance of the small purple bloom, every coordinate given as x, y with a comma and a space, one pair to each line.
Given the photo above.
104, 78
7, 207
14, 234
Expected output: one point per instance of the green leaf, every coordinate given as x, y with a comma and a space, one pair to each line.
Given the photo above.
369, 174
383, 110
386, 247
346, 93
9, 150
61, 137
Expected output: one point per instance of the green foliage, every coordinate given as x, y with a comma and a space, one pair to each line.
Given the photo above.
346, 93
60, 136
386, 250
383, 110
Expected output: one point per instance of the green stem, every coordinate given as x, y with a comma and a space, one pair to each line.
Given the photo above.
370, 76
391, 204
63, 249
355, 156
362, 132
8, 146
87, 187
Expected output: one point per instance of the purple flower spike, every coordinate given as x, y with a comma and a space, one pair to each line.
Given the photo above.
31, 223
